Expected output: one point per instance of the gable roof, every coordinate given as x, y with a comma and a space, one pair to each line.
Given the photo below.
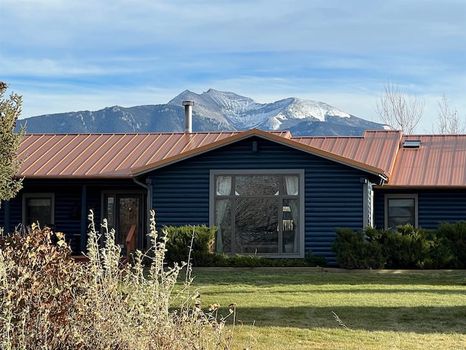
129, 155
440, 161
286, 140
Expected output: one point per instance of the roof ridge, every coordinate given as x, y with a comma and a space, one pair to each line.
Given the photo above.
129, 133
436, 135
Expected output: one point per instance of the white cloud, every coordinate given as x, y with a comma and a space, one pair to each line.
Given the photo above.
67, 54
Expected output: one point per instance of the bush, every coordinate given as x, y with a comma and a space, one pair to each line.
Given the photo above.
223, 260
179, 243
407, 247
203, 254
38, 284
49, 301
358, 250
451, 244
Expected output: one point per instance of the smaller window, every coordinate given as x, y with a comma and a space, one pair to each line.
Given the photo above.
38, 207
412, 144
400, 210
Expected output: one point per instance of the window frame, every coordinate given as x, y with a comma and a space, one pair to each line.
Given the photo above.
282, 172
389, 196
29, 195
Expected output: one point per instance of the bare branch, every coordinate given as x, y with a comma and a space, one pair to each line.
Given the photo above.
448, 120
400, 110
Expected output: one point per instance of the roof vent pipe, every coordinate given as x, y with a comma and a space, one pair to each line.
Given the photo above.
188, 116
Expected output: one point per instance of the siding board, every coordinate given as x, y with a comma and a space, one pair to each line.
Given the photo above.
333, 192
68, 204
434, 206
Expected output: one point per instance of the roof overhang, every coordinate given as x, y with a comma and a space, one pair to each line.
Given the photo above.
267, 136
420, 187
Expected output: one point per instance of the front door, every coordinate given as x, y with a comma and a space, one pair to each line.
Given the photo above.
124, 214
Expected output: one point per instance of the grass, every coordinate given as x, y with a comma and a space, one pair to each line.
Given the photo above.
293, 308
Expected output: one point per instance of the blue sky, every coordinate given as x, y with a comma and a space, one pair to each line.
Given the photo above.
88, 54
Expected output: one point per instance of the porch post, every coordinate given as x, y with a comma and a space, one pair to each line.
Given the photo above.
83, 218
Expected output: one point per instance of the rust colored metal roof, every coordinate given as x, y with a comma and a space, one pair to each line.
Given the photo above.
128, 155
374, 148
439, 161
103, 155
284, 139
106, 155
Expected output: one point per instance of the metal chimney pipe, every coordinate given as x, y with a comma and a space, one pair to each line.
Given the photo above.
188, 116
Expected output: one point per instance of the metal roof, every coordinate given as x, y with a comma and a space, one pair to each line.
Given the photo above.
284, 139
106, 155
439, 161
102, 155
126, 155
374, 148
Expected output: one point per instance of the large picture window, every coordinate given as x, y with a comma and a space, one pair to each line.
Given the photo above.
258, 212
38, 208
400, 210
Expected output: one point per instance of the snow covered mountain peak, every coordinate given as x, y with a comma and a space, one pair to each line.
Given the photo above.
213, 110
243, 112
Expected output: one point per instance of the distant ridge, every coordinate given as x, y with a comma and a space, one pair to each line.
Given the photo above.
213, 111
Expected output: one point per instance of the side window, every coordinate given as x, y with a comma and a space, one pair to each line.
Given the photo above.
400, 210
38, 207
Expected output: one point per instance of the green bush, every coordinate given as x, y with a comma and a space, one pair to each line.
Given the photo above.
407, 247
179, 243
203, 254
452, 244
224, 260
359, 250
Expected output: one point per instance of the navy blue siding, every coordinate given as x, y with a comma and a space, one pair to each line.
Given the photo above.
67, 204
67, 215
2, 214
434, 206
333, 192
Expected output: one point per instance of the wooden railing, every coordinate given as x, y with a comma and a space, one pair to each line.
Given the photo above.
131, 240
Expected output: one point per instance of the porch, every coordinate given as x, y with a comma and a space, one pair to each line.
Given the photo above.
65, 206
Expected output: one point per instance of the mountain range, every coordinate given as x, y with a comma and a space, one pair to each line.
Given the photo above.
213, 111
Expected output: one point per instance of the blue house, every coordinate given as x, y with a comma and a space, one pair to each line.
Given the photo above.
269, 193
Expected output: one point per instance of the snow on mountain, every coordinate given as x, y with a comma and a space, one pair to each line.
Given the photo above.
213, 110
244, 113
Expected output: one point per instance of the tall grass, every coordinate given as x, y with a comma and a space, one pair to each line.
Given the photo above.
49, 301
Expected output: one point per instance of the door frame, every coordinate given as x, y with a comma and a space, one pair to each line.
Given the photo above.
142, 209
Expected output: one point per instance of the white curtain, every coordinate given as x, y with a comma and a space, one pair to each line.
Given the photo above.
221, 208
223, 186
292, 185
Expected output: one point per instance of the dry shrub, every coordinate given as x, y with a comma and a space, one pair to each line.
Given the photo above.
49, 301
38, 285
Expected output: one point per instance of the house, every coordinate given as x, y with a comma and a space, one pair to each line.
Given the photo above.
269, 193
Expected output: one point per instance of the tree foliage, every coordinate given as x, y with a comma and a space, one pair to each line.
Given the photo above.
10, 110
400, 110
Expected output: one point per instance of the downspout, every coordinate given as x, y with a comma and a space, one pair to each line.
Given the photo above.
147, 186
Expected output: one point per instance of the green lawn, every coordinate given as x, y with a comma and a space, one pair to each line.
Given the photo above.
293, 308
